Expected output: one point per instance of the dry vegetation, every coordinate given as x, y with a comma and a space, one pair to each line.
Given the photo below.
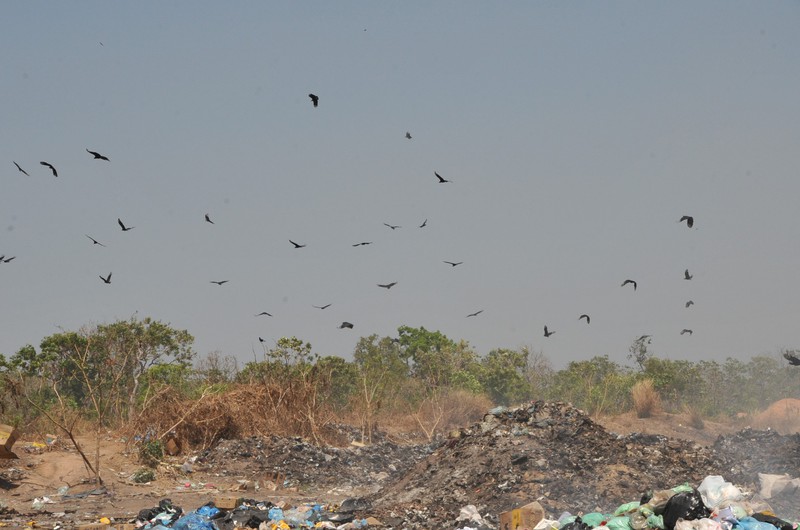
646, 401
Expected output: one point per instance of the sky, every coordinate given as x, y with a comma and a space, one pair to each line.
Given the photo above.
574, 135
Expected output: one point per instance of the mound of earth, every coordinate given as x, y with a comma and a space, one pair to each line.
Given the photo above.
554, 453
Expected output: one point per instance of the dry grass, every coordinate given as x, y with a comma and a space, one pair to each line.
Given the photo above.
694, 418
646, 401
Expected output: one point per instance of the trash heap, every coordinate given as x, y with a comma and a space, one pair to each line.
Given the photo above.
554, 453
296, 462
230, 514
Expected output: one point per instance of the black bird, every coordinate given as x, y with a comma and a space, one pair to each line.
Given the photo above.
548, 333
588, 320
626, 282
314, 99
94, 241
689, 220
408, 135
476, 313
124, 228
296, 245
219, 282
262, 341
261, 314
686, 275
641, 339
393, 227
792, 358
453, 264
21, 170
689, 331
387, 285
208, 219
326, 306
424, 224
442, 180
347, 325
8, 260
97, 156
363, 243
689, 303
106, 279
55, 173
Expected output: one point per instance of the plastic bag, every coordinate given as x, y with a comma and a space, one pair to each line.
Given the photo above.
577, 524
594, 519
625, 508
716, 491
193, 521
619, 523
686, 505
774, 521
698, 524
749, 523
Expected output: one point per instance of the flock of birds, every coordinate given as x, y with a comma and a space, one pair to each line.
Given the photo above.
686, 276
689, 220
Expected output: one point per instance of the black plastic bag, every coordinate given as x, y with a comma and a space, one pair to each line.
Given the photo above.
774, 521
687, 505
577, 524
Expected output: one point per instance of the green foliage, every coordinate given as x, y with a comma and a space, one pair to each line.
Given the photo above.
143, 476
599, 385
503, 376
151, 453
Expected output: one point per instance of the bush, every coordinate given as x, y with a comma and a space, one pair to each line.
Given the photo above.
151, 453
695, 417
646, 401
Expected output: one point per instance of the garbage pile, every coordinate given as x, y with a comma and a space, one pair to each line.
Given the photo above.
233, 514
554, 453
298, 463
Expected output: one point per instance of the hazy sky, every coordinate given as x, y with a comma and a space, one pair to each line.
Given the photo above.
576, 134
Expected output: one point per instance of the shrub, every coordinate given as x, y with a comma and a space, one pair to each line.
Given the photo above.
646, 401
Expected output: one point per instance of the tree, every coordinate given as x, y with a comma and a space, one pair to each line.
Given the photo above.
503, 376
381, 371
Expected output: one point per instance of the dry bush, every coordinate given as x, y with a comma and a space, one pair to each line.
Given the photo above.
241, 411
441, 412
646, 401
694, 417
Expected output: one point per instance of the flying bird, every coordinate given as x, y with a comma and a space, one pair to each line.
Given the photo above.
393, 227
363, 243
8, 260
792, 358
640, 339
408, 135
626, 282
689, 331
97, 156
107, 279
686, 275
94, 241
347, 325
689, 303
261, 314
208, 219
220, 282
326, 306
689, 220
588, 320
442, 180
21, 170
55, 173
122, 225
387, 285
453, 264
296, 245
548, 333
314, 99
476, 313
262, 341
424, 224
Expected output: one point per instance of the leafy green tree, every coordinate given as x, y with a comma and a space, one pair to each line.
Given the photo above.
598, 385
381, 372
437, 361
503, 376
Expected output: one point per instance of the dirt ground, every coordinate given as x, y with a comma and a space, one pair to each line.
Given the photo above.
293, 471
